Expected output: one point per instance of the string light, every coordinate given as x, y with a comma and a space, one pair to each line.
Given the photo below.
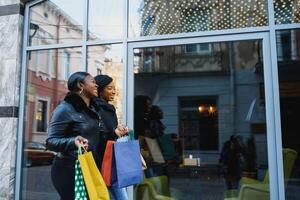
175, 16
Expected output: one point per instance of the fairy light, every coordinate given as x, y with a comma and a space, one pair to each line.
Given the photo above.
175, 16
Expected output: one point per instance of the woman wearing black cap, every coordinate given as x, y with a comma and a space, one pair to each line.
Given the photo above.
106, 94
75, 122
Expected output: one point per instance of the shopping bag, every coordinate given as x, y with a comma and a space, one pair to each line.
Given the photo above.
107, 162
154, 150
128, 138
80, 190
127, 165
167, 146
94, 182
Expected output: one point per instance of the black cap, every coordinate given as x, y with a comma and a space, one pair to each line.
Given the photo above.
102, 81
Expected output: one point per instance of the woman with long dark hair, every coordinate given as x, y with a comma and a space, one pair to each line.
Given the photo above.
75, 122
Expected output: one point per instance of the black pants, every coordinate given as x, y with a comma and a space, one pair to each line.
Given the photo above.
62, 174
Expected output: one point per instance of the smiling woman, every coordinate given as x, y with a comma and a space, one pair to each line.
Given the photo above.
75, 122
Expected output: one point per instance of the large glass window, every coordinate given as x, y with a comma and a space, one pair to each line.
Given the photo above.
148, 17
288, 45
200, 119
56, 22
106, 19
45, 90
199, 108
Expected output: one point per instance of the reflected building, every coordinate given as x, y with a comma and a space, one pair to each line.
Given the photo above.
208, 92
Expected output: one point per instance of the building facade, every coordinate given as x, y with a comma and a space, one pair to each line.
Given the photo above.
209, 87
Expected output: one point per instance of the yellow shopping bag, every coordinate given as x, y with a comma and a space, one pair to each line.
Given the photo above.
93, 180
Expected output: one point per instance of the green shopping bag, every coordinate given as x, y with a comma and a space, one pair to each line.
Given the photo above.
80, 190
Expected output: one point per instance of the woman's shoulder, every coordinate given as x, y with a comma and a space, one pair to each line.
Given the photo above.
64, 109
100, 104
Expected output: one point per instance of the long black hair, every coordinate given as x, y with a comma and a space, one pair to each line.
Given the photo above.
74, 79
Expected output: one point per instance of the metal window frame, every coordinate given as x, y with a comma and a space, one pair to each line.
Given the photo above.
266, 33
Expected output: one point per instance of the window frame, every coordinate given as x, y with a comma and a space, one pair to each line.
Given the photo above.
191, 108
37, 99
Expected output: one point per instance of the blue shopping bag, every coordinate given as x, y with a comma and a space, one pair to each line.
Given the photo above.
127, 165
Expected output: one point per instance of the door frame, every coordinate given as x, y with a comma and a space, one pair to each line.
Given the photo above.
274, 158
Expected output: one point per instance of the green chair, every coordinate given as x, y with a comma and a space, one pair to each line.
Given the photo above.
254, 189
156, 188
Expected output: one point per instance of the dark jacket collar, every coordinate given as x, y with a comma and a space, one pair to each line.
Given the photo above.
77, 102
100, 103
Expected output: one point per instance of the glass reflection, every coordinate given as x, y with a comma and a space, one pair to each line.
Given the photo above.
106, 19
287, 11
48, 72
56, 22
147, 17
107, 59
199, 114
289, 85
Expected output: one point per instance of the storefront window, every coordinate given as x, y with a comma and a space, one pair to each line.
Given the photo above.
200, 119
287, 11
56, 22
106, 19
147, 17
107, 59
45, 90
288, 45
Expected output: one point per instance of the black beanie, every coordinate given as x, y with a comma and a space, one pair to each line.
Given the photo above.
102, 81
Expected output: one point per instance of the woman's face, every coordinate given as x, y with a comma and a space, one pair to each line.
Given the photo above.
90, 87
109, 92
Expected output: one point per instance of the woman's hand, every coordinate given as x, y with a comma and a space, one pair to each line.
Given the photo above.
121, 130
81, 142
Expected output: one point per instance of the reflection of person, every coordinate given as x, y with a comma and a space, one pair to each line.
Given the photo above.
156, 126
142, 105
74, 123
231, 160
106, 93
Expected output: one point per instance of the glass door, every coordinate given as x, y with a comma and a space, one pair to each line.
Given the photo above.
201, 109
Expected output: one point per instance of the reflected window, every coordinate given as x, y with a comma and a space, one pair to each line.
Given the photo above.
199, 123
41, 116
286, 45
56, 22
198, 48
66, 58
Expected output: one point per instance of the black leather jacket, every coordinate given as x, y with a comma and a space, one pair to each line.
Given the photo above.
71, 118
109, 118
